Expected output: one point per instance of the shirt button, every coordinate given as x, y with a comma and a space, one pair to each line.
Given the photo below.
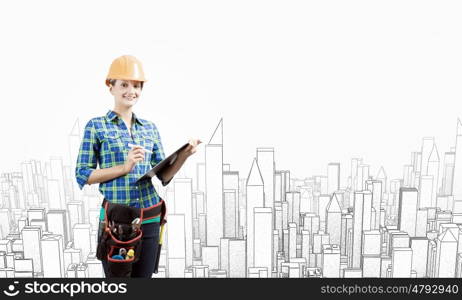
137, 199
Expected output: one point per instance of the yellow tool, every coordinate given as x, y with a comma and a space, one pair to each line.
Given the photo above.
130, 254
161, 239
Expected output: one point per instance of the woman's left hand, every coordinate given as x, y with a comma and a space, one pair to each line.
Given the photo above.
191, 148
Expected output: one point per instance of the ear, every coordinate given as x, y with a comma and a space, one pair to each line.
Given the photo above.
111, 85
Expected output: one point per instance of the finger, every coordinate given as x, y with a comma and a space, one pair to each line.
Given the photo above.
134, 147
139, 151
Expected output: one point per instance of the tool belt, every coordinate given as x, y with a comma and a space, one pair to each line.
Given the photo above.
120, 237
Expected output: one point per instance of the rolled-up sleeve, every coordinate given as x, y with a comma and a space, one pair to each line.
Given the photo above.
87, 158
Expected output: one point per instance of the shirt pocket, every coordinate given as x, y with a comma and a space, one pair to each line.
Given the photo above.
114, 141
148, 141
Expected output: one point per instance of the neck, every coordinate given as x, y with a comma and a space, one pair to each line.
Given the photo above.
125, 114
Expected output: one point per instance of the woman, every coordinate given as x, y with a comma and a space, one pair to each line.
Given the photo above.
126, 147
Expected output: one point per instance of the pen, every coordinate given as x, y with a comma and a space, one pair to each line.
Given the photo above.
132, 145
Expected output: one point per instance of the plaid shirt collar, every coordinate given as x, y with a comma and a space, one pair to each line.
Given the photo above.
111, 116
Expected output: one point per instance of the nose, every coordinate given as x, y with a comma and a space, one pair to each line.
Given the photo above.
131, 90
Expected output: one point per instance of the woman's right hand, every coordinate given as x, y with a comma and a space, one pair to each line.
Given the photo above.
135, 155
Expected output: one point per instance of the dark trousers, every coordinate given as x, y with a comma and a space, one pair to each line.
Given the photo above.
144, 267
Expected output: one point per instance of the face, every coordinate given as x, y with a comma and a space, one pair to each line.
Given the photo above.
126, 92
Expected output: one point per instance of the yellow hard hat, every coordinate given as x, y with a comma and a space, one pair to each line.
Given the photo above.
126, 67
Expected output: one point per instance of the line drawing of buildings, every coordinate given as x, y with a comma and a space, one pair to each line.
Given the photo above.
265, 223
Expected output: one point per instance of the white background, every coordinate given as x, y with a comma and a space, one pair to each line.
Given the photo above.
320, 81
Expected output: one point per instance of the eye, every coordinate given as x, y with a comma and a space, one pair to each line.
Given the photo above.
136, 86
124, 85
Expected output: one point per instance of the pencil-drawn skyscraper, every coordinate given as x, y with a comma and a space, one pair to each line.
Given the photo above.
426, 191
255, 198
446, 254
407, 213
82, 239
31, 236
74, 145
375, 186
57, 173
57, 223
330, 261
265, 159
382, 176
448, 173
401, 262
427, 146
176, 245
5, 222
419, 246
433, 169
323, 201
237, 258
214, 186
361, 221
183, 205
333, 177
457, 185
293, 202
231, 204
52, 255
355, 162
334, 220
263, 220
370, 251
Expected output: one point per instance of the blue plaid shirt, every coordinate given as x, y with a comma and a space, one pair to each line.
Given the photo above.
105, 142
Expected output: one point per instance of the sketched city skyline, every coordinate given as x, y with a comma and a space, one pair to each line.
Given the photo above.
222, 223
